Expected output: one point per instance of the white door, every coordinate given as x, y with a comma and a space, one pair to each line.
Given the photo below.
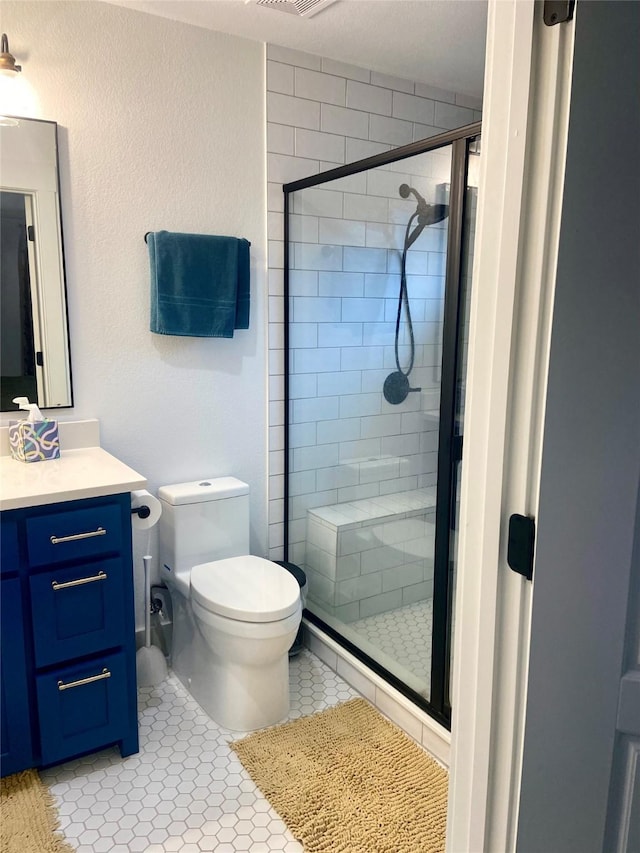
36, 310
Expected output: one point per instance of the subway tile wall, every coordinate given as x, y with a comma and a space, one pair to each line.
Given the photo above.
368, 557
346, 236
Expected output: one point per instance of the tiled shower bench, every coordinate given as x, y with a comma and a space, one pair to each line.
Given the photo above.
372, 555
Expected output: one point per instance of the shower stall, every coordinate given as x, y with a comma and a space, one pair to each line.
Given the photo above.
378, 258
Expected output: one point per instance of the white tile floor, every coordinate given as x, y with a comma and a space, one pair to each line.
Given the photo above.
185, 790
404, 634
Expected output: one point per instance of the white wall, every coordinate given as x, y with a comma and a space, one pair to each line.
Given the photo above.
161, 126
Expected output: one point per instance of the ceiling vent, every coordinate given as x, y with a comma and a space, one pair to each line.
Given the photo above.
301, 8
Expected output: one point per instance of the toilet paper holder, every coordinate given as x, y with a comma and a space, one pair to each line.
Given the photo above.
141, 511
145, 509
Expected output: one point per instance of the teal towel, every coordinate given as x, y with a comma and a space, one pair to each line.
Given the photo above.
199, 284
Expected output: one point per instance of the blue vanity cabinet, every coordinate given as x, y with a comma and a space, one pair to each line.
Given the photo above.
15, 724
72, 620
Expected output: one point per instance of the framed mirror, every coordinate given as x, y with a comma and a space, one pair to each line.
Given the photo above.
34, 330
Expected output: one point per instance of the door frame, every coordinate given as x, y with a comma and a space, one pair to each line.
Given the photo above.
526, 105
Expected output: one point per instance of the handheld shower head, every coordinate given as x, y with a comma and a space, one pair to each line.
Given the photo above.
428, 214
405, 191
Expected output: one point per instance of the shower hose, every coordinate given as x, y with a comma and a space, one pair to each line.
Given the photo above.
403, 299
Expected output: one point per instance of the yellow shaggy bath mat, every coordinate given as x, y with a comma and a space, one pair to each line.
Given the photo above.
348, 781
28, 819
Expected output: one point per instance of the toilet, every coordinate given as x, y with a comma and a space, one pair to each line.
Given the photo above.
234, 615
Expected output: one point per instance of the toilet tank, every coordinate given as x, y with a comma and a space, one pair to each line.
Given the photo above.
202, 521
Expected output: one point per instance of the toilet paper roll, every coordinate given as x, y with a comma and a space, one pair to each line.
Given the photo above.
143, 498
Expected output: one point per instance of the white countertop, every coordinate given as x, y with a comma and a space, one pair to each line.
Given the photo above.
88, 472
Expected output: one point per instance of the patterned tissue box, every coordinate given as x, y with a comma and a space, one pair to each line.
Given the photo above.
34, 442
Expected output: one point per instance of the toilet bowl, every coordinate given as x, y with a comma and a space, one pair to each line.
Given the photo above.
235, 616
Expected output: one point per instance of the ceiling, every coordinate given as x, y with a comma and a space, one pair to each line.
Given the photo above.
438, 42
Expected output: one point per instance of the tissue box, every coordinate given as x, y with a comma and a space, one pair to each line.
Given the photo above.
34, 442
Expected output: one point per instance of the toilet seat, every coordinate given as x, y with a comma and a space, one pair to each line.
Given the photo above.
249, 589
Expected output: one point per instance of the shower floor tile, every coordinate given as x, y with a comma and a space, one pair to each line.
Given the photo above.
185, 790
403, 634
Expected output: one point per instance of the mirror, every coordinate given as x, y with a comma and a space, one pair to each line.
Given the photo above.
34, 334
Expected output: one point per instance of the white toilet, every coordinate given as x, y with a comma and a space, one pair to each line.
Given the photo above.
234, 616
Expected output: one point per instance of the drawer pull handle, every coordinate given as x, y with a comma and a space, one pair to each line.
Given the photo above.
104, 674
101, 576
57, 540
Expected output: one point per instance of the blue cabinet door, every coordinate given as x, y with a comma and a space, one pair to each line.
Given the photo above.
9, 554
15, 726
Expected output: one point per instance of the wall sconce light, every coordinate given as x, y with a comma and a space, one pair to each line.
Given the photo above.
7, 61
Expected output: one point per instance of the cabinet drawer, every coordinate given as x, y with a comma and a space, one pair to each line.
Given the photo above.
73, 535
82, 707
77, 611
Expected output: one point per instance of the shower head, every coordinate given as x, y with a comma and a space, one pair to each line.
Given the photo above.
428, 214
405, 191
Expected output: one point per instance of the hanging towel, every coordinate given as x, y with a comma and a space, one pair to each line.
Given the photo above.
199, 284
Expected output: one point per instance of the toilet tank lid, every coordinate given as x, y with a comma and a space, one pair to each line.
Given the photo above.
199, 491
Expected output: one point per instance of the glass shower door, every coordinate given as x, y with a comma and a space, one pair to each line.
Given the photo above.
366, 305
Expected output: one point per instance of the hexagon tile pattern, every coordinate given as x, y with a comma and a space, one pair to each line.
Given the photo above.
404, 634
185, 791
